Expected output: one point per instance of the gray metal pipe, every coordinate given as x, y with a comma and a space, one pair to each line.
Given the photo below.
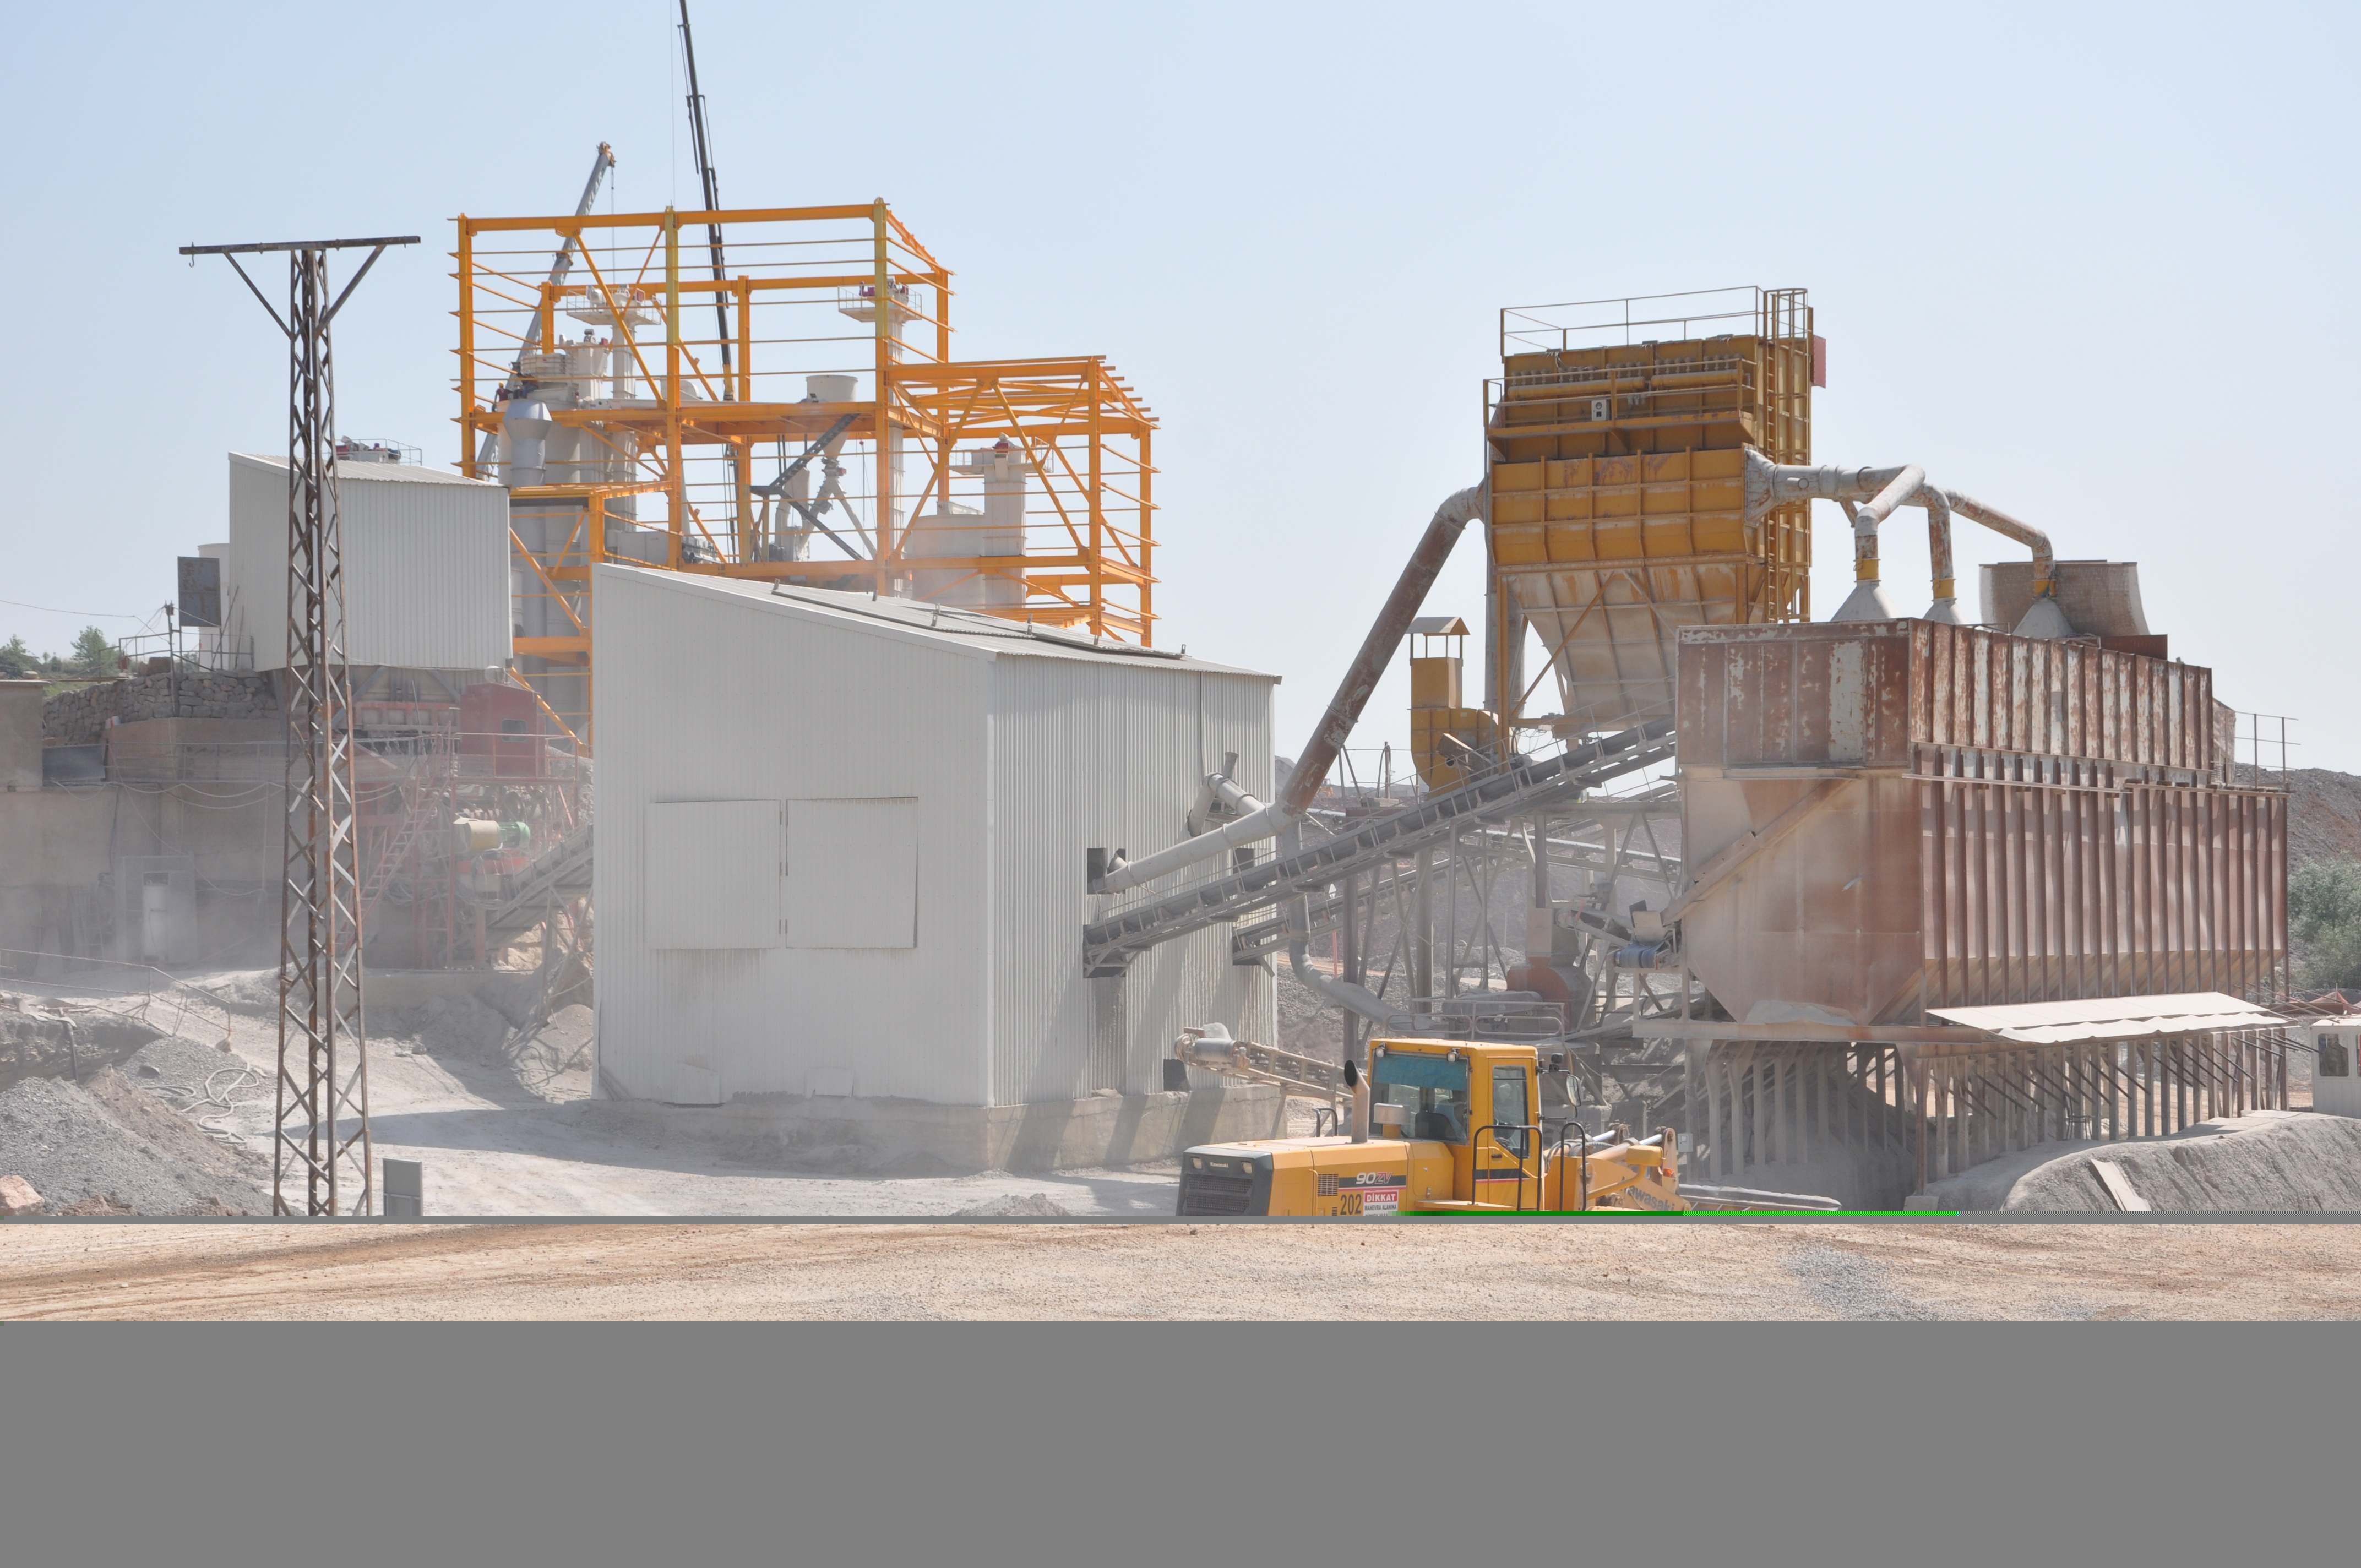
1251, 828
1869, 496
1379, 647
2043, 618
1867, 601
1352, 998
1945, 610
2045, 559
1361, 677
1343, 993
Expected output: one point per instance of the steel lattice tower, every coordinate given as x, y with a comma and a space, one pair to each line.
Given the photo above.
323, 1128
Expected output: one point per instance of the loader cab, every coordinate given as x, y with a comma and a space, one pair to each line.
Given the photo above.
1477, 1100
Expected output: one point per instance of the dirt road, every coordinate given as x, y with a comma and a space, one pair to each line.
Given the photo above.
724, 1271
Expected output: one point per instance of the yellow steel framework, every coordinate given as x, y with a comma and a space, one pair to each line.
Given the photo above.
1617, 435
792, 419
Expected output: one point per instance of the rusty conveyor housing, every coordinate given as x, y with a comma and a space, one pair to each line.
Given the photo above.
1886, 817
1888, 821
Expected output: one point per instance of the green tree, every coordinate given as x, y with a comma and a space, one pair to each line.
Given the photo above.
93, 653
2324, 923
17, 661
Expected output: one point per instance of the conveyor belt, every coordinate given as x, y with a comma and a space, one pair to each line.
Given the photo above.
1521, 788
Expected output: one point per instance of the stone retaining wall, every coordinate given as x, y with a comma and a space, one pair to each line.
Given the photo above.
78, 717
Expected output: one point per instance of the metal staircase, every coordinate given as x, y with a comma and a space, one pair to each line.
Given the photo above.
397, 854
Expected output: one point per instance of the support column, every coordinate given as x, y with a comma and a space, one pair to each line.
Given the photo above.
1422, 953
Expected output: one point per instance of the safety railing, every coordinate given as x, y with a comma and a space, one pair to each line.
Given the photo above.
161, 1000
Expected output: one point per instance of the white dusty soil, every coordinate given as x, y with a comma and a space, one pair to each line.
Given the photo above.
1066, 1272
496, 1118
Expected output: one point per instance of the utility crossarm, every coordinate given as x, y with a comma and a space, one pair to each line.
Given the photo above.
1109, 945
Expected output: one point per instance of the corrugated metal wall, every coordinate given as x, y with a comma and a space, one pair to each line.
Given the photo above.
1108, 754
1019, 765
1866, 694
426, 567
1979, 819
714, 693
2072, 890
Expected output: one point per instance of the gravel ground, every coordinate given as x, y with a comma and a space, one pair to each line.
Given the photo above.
108, 1140
1051, 1271
2273, 1161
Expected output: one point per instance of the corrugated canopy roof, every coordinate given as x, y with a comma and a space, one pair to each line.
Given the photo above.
1438, 626
2111, 1017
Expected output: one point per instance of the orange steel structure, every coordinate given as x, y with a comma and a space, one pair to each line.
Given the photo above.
796, 416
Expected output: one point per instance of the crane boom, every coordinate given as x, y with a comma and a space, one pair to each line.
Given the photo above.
560, 265
702, 141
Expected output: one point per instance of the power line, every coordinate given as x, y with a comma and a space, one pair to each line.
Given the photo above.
52, 609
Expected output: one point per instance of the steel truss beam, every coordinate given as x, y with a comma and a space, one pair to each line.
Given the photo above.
1109, 945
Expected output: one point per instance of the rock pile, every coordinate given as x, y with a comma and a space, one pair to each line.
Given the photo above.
112, 1143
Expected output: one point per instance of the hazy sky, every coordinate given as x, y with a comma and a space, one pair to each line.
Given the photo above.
2092, 264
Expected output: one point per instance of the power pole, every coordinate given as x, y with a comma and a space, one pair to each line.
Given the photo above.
322, 1129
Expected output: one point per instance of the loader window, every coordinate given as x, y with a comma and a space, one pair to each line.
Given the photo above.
1435, 1092
1508, 1107
2335, 1059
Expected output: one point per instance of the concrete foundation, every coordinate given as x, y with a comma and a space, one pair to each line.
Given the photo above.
915, 1137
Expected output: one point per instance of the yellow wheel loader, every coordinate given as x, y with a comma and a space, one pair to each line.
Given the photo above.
1438, 1127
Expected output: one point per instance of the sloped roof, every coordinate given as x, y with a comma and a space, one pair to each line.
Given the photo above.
971, 632
2111, 1017
395, 472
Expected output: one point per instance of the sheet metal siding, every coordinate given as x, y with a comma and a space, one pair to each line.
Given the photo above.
2046, 823
2034, 893
1772, 694
699, 698
425, 566
1107, 754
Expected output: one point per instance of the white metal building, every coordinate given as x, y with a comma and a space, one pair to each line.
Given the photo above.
425, 564
2337, 1068
842, 847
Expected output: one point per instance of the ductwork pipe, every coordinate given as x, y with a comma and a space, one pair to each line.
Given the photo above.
1261, 822
1868, 600
1357, 999
1871, 495
2043, 618
1945, 610
1361, 677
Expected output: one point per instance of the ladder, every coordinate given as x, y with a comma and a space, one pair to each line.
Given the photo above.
405, 838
